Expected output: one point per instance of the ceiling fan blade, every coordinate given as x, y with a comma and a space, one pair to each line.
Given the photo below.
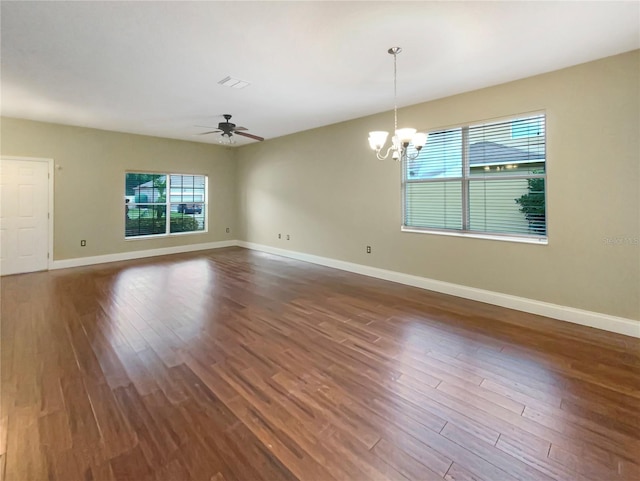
240, 128
211, 132
251, 136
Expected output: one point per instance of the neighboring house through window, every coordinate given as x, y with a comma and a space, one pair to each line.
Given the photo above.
150, 196
484, 179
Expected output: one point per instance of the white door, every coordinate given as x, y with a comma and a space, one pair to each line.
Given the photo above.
24, 225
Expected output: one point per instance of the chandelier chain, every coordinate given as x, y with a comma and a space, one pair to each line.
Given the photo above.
395, 91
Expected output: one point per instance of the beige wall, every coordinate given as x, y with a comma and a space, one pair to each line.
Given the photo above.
325, 188
89, 186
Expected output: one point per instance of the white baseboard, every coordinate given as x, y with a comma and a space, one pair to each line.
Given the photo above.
126, 256
597, 320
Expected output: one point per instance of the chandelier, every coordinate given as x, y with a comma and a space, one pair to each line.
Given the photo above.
403, 137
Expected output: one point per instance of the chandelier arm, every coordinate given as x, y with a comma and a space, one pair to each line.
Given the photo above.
412, 156
386, 155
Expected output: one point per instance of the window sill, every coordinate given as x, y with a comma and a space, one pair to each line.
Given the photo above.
163, 236
475, 235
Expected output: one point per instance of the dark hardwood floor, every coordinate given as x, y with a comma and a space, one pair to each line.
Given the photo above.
237, 365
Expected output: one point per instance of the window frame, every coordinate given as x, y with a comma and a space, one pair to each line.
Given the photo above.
466, 178
168, 203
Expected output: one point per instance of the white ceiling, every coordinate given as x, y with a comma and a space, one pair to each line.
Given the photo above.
152, 67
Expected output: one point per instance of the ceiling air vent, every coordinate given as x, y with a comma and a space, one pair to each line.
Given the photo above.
234, 83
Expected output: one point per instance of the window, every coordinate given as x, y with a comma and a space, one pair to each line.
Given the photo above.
486, 179
148, 198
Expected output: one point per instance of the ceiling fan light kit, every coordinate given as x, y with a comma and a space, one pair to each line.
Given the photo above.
226, 139
402, 137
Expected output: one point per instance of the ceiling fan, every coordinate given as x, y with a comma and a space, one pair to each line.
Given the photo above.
228, 129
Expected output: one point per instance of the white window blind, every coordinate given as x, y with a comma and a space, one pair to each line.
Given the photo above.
485, 178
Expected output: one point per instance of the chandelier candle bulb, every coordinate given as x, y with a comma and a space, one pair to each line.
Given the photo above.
419, 140
405, 135
377, 139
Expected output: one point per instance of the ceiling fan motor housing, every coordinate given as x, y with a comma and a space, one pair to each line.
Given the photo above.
226, 126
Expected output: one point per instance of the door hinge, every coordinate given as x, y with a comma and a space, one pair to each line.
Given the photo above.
47, 255
48, 215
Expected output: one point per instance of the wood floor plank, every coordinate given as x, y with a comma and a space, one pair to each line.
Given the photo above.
454, 414
448, 452
549, 383
590, 467
132, 465
471, 392
156, 440
236, 365
25, 454
54, 432
387, 403
458, 473
413, 469
300, 463
531, 454
327, 404
622, 420
521, 393
612, 441
64, 465
115, 431
513, 466
305, 424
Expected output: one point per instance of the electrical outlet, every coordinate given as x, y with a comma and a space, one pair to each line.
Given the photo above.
288, 237
279, 236
368, 249
83, 243
228, 230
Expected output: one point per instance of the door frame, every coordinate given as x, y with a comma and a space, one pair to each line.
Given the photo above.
50, 198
